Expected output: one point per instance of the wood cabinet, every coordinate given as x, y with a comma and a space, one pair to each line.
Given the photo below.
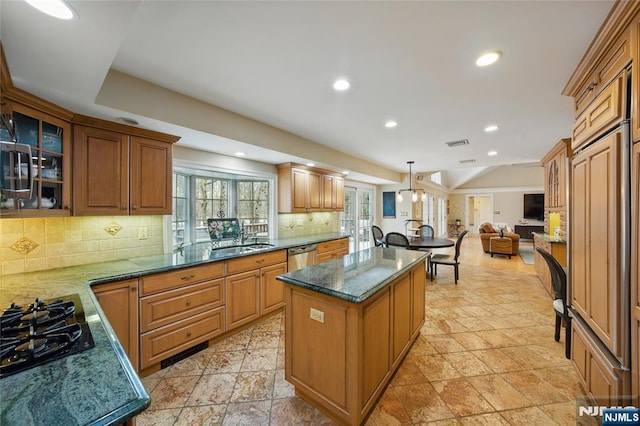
49, 138
635, 77
304, 190
635, 271
595, 254
180, 309
557, 250
555, 175
119, 302
332, 193
617, 57
603, 382
332, 249
605, 110
251, 287
341, 355
119, 170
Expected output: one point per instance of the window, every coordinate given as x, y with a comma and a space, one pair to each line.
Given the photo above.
356, 218
199, 195
436, 178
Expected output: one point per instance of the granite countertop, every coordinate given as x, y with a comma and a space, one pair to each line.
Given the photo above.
97, 386
357, 276
550, 238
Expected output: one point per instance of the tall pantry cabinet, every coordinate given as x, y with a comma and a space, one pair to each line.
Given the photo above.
603, 210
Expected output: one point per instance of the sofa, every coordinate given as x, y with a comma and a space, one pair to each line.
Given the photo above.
487, 231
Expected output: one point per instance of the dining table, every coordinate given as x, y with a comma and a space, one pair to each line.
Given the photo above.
417, 243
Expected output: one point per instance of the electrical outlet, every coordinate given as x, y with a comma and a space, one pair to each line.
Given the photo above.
142, 233
317, 315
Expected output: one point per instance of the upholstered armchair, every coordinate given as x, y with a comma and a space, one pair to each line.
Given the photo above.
487, 231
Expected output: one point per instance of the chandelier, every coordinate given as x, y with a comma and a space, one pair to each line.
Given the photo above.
414, 191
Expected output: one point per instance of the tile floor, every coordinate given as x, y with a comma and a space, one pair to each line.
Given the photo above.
485, 356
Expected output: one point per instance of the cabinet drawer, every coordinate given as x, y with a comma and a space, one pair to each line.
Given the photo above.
605, 110
181, 277
174, 305
164, 342
333, 245
255, 261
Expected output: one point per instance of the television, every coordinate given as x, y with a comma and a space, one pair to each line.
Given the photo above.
534, 206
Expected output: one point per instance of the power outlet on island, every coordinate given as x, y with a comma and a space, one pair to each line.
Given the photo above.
317, 315
143, 233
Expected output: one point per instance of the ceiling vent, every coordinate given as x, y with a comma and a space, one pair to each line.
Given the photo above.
472, 160
458, 143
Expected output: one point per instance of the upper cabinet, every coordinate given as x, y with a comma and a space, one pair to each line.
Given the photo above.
555, 174
46, 128
305, 190
120, 170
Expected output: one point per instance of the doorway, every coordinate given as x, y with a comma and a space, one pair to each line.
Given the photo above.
480, 208
356, 219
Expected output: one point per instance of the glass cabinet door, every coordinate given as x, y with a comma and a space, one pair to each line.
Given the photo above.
49, 139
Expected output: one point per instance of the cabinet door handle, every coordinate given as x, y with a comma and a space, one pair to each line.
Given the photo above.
123, 207
260, 261
135, 207
187, 277
188, 303
188, 334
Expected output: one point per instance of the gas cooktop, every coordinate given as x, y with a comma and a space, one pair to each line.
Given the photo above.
43, 331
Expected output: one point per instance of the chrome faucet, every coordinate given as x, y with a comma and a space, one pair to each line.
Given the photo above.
244, 236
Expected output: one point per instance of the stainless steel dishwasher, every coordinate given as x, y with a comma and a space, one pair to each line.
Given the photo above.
301, 257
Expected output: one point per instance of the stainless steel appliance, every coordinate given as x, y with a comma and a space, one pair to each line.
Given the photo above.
301, 257
42, 332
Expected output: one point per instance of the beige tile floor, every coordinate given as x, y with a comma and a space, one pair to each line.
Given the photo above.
485, 356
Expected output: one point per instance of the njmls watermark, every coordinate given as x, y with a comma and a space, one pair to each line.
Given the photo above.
610, 415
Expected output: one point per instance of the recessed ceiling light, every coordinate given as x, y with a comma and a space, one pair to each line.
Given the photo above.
346, 172
310, 164
491, 128
126, 120
56, 8
492, 153
239, 154
390, 124
488, 58
341, 85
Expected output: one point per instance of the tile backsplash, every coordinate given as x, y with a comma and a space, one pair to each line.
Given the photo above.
299, 224
36, 244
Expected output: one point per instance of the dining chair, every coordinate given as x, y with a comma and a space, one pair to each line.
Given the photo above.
396, 239
447, 259
559, 280
426, 231
378, 236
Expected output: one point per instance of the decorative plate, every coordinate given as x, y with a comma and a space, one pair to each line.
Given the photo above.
223, 229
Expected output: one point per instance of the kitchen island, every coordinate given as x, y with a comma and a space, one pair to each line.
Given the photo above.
98, 386
349, 323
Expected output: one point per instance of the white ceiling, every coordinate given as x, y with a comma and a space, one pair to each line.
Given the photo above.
275, 62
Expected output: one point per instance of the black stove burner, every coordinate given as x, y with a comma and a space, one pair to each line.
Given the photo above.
42, 332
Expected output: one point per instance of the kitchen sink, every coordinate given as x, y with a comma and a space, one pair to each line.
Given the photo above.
247, 248
258, 246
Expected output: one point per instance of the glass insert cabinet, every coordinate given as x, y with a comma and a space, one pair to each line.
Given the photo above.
50, 140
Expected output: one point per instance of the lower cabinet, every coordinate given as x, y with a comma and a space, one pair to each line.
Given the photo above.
557, 250
599, 373
180, 309
119, 302
251, 286
332, 249
339, 355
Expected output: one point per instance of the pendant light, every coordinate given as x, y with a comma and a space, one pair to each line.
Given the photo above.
414, 191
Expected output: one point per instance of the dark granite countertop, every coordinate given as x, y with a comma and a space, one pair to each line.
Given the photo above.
97, 386
357, 276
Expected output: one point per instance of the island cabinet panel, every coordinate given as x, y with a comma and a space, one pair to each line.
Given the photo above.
341, 355
402, 330
119, 302
377, 335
